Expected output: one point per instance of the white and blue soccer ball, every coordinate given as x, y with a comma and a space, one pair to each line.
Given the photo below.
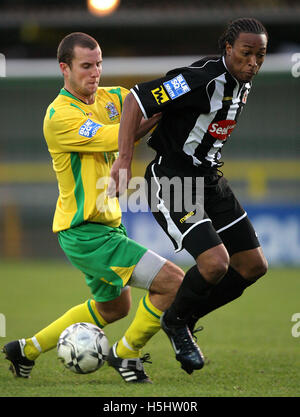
83, 348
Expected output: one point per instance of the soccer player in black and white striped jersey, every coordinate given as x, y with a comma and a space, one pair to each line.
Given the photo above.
200, 107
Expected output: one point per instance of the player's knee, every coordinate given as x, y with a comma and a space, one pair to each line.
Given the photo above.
214, 267
168, 280
175, 275
214, 271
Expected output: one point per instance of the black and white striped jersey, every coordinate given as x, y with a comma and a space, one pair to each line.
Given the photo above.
200, 106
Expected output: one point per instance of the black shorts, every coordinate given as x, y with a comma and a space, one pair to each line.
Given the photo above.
198, 213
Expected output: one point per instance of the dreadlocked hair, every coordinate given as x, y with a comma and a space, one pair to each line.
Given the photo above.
235, 27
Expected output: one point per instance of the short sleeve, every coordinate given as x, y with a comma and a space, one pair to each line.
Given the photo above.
177, 89
69, 130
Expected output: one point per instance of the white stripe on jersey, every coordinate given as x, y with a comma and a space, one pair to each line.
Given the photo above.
204, 120
218, 144
205, 63
235, 104
139, 102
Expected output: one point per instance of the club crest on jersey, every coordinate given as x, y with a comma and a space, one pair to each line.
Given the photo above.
221, 129
112, 111
160, 95
245, 96
177, 87
89, 129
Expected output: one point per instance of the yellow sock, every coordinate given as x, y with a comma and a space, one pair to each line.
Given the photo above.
47, 338
145, 324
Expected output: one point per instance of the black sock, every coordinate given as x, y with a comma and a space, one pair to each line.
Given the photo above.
228, 289
192, 293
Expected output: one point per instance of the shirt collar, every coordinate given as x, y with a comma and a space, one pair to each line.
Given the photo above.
224, 63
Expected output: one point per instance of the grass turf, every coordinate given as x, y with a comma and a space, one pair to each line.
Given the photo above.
248, 344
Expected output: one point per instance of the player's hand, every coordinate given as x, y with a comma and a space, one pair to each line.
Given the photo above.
120, 176
157, 116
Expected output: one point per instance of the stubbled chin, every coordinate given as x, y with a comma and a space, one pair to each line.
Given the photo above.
92, 89
245, 79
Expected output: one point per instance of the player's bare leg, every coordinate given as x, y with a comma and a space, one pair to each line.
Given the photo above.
251, 264
115, 309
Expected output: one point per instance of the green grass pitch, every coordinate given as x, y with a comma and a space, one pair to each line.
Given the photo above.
248, 344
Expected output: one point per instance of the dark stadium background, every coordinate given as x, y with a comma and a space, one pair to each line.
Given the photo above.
140, 41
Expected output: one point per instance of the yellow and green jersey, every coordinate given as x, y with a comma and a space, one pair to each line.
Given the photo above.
83, 142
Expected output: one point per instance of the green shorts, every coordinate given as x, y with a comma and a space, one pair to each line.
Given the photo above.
104, 254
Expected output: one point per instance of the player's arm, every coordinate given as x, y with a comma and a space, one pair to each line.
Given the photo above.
129, 125
73, 133
146, 125
145, 99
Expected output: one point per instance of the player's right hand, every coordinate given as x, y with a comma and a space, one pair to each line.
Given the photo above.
120, 176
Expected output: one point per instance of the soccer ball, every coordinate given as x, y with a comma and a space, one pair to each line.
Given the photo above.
82, 348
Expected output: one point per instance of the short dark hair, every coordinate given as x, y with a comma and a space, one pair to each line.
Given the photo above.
65, 50
235, 27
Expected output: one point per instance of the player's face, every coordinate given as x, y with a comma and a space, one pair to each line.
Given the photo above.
85, 72
245, 57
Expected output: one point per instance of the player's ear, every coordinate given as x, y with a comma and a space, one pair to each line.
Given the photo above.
64, 68
228, 48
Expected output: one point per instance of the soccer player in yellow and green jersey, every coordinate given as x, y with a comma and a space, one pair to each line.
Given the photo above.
81, 130
83, 141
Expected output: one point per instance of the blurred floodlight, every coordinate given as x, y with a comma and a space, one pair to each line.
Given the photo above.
102, 7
